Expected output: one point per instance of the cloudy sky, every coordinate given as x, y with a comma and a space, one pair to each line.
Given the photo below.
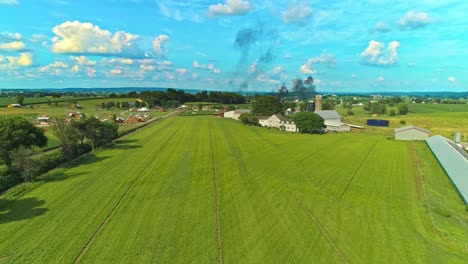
247, 45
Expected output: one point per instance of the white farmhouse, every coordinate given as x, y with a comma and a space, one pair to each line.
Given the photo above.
411, 133
278, 121
235, 114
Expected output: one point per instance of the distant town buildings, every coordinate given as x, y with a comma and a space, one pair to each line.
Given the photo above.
235, 114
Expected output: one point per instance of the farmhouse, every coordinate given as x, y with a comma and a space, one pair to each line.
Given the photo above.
411, 133
14, 106
329, 115
278, 121
336, 126
43, 120
235, 114
263, 121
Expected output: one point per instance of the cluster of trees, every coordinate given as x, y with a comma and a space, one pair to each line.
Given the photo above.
306, 122
20, 140
174, 98
380, 108
74, 134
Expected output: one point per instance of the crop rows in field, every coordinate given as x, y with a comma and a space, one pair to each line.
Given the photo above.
209, 190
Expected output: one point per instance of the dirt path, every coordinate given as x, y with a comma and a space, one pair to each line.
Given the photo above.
218, 222
322, 230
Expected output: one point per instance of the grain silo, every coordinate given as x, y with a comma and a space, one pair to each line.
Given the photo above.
318, 102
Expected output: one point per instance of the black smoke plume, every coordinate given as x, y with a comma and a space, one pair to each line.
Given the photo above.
258, 40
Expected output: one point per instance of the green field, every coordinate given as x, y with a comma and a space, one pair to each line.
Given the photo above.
211, 190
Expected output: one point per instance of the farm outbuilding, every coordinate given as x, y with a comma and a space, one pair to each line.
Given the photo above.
411, 133
454, 160
235, 114
329, 115
337, 126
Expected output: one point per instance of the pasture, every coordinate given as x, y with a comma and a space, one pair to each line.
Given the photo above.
440, 119
211, 190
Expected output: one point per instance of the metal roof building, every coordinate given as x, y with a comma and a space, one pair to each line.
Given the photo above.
330, 115
453, 160
411, 133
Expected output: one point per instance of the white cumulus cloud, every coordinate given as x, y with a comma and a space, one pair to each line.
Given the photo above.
115, 71
58, 64
147, 67
158, 43
297, 14
380, 79
231, 7
9, 2
13, 46
85, 38
414, 20
23, 60
83, 60
376, 54
181, 71
382, 27
305, 69
452, 79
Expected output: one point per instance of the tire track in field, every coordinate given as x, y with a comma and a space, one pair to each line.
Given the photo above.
358, 169
322, 230
218, 222
320, 149
122, 197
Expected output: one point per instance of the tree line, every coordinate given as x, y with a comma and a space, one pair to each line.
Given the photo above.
20, 140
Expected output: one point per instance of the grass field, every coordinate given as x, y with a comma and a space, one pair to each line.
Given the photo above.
211, 190
91, 107
28, 100
440, 119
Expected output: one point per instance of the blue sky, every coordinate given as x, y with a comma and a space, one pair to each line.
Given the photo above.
374, 45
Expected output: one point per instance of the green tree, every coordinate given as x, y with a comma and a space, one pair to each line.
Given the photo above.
69, 137
17, 132
249, 119
99, 133
402, 109
23, 163
308, 122
392, 112
20, 99
267, 106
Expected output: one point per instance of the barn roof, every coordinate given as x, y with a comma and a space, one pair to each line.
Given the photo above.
335, 124
401, 129
452, 161
328, 114
241, 111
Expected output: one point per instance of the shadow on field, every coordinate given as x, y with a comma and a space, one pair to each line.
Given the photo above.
20, 209
124, 144
87, 160
60, 176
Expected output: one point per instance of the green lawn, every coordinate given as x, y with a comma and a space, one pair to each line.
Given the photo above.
202, 189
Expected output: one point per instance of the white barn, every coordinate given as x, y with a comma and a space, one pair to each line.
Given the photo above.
329, 115
235, 114
411, 133
336, 126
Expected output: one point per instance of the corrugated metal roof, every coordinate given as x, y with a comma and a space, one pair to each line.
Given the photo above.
412, 127
328, 114
331, 123
241, 111
452, 161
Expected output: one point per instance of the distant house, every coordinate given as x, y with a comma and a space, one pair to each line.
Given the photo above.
332, 126
143, 109
278, 121
235, 114
14, 106
329, 115
43, 121
263, 121
411, 133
